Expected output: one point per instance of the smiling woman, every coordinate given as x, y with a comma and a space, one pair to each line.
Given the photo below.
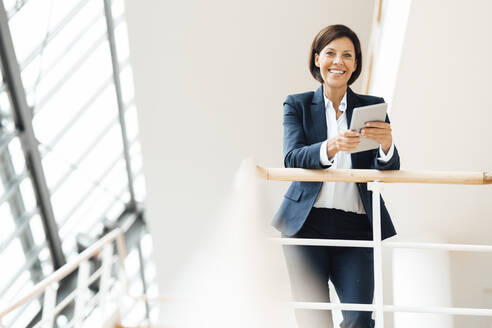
316, 137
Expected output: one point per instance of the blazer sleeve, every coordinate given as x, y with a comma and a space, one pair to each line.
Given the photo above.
392, 164
297, 153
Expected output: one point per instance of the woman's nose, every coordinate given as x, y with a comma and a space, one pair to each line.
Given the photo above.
337, 59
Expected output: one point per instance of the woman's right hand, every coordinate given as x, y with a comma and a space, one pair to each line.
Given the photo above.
345, 141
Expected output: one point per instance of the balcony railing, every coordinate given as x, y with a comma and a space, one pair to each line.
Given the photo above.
376, 180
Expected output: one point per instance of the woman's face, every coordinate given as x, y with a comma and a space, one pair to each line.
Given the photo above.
336, 62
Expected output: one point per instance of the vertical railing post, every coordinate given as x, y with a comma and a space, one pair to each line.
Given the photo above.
120, 246
49, 303
82, 291
376, 188
104, 284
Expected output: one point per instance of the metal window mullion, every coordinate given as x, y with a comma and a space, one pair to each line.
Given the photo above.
119, 97
18, 210
23, 122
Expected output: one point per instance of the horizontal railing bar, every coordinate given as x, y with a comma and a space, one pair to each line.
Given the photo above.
68, 268
437, 309
385, 244
392, 308
357, 175
439, 246
324, 242
70, 297
333, 306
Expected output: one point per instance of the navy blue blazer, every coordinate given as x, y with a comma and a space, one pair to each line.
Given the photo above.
304, 132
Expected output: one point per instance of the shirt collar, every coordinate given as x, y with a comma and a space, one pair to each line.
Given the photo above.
343, 103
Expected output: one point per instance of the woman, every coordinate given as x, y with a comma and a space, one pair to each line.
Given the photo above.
316, 137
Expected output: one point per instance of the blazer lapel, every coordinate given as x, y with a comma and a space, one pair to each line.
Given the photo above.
352, 102
318, 112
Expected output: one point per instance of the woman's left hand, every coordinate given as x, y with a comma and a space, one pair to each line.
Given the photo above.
379, 131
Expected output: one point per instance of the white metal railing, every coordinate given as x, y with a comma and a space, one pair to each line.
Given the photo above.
375, 180
49, 285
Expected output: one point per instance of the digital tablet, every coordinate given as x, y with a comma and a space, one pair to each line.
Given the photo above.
360, 116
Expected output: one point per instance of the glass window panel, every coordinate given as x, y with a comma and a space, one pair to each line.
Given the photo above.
136, 157
118, 8
131, 121
87, 128
8, 224
17, 156
126, 79
29, 26
57, 65
28, 195
139, 186
14, 255
6, 119
74, 90
121, 38
28, 313
10, 4
22, 281
37, 230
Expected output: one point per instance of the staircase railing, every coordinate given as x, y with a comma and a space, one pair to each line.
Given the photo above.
49, 285
375, 180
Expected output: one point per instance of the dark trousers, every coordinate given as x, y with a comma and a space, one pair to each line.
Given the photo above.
350, 269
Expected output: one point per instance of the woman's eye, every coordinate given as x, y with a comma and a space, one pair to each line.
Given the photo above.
348, 55
330, 53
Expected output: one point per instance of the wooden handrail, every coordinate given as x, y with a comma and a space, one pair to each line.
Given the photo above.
357, 175
94, 249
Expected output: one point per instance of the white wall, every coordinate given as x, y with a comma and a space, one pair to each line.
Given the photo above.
441, 117
210, 79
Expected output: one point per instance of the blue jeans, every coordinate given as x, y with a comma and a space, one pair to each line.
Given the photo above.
350, 269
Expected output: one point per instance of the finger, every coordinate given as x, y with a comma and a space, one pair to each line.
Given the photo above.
375, 132
351, 140
349, 133
376, 124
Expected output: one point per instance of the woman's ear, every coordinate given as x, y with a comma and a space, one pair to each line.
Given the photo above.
316, 60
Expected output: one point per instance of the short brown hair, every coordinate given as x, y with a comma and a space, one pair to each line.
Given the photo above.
327, 35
